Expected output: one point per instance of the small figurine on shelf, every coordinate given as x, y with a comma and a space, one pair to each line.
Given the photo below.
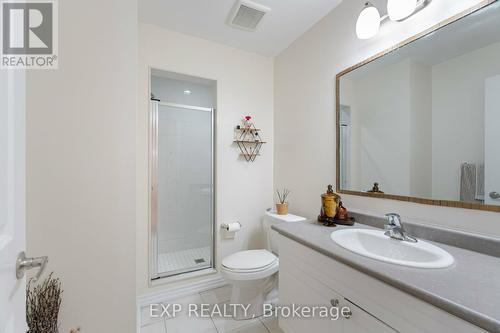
247, 123
342, 216
375, 189
342, 212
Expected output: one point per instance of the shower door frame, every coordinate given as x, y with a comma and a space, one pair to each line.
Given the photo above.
154, 275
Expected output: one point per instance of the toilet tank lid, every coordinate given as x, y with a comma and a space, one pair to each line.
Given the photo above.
285, 218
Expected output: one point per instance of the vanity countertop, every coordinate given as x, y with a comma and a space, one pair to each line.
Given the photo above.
469, 289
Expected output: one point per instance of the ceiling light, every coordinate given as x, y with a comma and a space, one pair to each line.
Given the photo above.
400, 9
368, 23
187, 92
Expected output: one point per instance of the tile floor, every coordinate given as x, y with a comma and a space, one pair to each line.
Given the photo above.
182, 323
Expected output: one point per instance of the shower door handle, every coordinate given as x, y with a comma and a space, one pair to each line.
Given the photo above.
494, 195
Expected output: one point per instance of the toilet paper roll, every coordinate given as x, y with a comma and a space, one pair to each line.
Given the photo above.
233, 227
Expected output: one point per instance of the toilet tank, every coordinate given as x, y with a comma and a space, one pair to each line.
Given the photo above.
271, 218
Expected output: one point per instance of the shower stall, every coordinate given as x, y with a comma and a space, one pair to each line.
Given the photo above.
182, 118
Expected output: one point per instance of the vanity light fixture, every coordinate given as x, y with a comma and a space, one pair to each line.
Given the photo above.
187, 92
400, 9
368, 23
369, 19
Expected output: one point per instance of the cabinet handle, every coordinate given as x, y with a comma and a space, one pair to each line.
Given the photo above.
347, 315
334, 302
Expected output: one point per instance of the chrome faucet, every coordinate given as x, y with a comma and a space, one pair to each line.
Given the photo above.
395, 229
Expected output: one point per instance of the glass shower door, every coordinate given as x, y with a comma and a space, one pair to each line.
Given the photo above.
182, 188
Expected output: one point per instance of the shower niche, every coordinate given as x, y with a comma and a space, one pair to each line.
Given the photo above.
182, 196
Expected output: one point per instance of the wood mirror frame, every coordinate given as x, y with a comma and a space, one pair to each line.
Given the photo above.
447, 203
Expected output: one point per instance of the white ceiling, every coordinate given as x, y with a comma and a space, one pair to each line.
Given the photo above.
287, 20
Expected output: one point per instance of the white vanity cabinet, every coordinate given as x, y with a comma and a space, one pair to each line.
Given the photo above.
362, 321
299, 289
310, 278
296, 287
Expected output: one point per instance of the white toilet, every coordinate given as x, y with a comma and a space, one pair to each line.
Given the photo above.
252, 273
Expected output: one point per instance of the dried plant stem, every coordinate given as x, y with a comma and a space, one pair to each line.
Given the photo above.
42, 305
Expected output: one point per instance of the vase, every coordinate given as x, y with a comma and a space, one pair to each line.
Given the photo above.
282, 208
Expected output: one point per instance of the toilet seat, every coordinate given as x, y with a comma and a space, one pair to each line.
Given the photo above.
250, 260
250, 265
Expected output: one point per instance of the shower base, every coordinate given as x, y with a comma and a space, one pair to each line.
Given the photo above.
185, 260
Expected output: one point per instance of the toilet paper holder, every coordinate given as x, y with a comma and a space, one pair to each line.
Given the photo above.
226, 226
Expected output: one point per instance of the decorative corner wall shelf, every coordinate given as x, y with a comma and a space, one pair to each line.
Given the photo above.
248, 139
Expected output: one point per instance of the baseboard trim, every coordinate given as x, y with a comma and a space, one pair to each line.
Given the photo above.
190, 288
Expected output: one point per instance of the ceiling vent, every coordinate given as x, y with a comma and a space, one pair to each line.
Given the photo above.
247, 15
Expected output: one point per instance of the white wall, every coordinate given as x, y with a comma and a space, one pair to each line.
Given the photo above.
244, 86
458, 95
304, 99
80, 164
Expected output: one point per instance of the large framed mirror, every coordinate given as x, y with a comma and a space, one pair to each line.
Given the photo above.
420, 122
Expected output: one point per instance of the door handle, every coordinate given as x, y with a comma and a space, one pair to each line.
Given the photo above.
23, 264
494, 195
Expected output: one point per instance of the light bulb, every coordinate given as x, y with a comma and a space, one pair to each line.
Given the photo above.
368, 23
400, 9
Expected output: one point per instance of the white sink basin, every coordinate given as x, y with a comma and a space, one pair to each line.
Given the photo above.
374, 244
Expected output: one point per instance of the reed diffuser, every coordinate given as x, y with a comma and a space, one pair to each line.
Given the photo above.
282, 205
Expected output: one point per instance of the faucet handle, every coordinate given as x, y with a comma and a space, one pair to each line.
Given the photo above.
395, 228
393, 220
